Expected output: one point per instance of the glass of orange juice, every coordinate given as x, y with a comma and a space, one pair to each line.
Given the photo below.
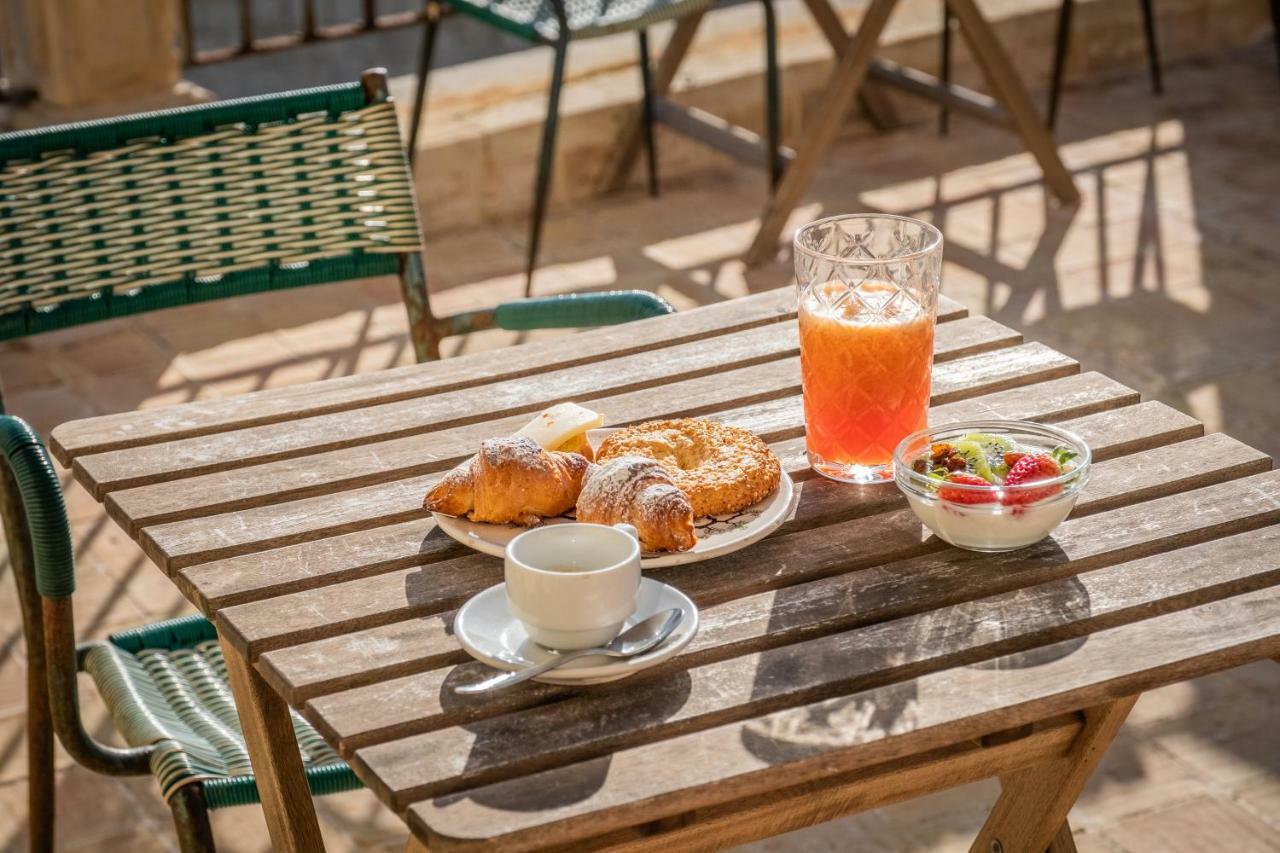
868, 300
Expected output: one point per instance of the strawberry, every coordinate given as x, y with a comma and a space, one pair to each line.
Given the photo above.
966, 496
1011, 458
1032, 468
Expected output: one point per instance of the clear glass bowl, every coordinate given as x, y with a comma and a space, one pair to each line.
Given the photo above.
998, 518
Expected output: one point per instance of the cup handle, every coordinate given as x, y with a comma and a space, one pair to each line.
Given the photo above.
628, 529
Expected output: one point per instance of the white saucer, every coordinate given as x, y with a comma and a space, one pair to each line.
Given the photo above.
490, 634
717, 534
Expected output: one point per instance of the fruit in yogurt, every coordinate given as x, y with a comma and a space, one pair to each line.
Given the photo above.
991, 491
985, 459
995, 448
1032, 468
965, 496
975, 457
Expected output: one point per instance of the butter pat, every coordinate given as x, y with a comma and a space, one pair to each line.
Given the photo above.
562, 427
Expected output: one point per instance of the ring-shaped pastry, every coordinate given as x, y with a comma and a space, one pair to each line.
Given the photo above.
723, 469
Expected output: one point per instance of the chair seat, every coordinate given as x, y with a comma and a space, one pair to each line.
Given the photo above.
165, 685
535, 20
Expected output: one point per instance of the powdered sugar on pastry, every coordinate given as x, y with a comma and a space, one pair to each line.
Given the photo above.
639, 492
722, 468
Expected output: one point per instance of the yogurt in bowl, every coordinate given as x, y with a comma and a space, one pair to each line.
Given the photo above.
992, 485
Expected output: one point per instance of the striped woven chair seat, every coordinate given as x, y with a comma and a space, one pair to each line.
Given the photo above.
113, 217
166, 685
536, 19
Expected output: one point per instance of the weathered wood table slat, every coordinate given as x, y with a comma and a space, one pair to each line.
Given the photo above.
844, 662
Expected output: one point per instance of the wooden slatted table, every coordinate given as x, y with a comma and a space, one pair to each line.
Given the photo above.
845, 662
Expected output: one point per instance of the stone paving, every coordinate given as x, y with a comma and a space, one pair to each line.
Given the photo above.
1163, 277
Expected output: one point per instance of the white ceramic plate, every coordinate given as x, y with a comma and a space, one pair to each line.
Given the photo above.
717, 534
490, 634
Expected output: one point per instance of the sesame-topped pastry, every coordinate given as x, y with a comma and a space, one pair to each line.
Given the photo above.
722, 468
638, 491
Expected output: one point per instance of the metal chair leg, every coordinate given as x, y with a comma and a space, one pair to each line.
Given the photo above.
1153, 50
424, 67
646, 82
772, 94
41, 791
424, 328
546, 159
191, 820
944, 65
1062, 42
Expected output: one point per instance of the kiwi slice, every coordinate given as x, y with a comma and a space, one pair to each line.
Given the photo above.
975, 456
994, 447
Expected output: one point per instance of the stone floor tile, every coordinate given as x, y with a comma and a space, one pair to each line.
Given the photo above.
46, 407
193, 328
249, 356
290, 309
1232, 744
1259, 675
322, 338
1092, 841
359, 817
159, 385
1261, 798
1203, 824
13, 727
1255, 682
24, 368
13, 672
296, 371
1134, 776
93, 812
243, 829
138, 842
126, 348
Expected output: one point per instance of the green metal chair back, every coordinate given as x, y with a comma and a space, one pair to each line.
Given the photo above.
112, 217
108, 218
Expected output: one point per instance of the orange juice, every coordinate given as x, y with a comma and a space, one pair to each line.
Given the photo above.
865, 363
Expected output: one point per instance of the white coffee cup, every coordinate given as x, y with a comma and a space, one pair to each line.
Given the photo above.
573, 586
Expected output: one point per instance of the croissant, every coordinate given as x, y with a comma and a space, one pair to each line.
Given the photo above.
639, 491
510, 480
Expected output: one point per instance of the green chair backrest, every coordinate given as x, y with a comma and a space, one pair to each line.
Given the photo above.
112, 217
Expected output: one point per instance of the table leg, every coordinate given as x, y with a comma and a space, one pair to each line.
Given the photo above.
874, 100
627, 147
845, 82
1063, 841
277, 762
1033, 805
1009, 91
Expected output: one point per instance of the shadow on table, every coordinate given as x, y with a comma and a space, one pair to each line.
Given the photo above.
643, 701
894, 643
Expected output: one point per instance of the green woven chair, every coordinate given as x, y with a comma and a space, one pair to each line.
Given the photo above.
164, 684
557, 22
108, 218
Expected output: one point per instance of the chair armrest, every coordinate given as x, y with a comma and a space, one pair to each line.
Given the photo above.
35, 520
39, 499
580, 309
